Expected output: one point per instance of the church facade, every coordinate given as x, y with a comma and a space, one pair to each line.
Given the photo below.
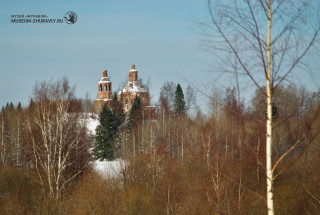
126, 96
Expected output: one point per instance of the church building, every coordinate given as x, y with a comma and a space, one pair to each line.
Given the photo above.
127, 95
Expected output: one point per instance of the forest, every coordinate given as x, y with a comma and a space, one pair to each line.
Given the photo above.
254, 154
176, 163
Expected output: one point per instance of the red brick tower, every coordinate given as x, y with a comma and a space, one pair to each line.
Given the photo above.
104, 92
133, 73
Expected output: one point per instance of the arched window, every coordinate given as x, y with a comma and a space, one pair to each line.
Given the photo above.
106, 88
100, 87
136, 76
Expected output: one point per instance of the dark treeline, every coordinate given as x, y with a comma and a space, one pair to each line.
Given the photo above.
176, 164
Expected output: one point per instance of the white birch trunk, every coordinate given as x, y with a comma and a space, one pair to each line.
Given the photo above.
59, 138
269, 121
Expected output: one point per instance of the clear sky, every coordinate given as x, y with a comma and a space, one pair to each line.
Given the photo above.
158, 36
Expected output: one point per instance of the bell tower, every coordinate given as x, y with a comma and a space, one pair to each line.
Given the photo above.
104, 87
104, 92
133, 74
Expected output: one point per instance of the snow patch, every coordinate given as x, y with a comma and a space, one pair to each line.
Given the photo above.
133, 87
104, 80
91, 123
109, 168
100, 82
104, 99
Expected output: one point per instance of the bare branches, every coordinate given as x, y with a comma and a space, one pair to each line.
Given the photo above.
317, 198
60, 135
241, 27
231, 46
237, 183
299, 58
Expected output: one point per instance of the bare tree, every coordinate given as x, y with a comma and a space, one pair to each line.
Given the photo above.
57, 136
264, 56
167, 94
3, 146
191, 98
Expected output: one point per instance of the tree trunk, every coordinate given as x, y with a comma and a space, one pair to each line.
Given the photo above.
258, 164
134, 146
182, 149
208, 153
2, 139
18, 141
269, 121
240, 174
168, 199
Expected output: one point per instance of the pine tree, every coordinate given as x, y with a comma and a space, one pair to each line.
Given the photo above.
179, 102
135, 115
105, 134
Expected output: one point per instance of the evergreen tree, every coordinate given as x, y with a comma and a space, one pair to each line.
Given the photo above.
31, 104
115, 97
119, 118
105, 134
275, 113
135, 115
179, 102
117, 110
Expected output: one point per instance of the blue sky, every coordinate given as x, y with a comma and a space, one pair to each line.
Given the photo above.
158, 36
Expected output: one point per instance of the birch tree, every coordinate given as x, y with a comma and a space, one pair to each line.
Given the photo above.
269, 39
57, 137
